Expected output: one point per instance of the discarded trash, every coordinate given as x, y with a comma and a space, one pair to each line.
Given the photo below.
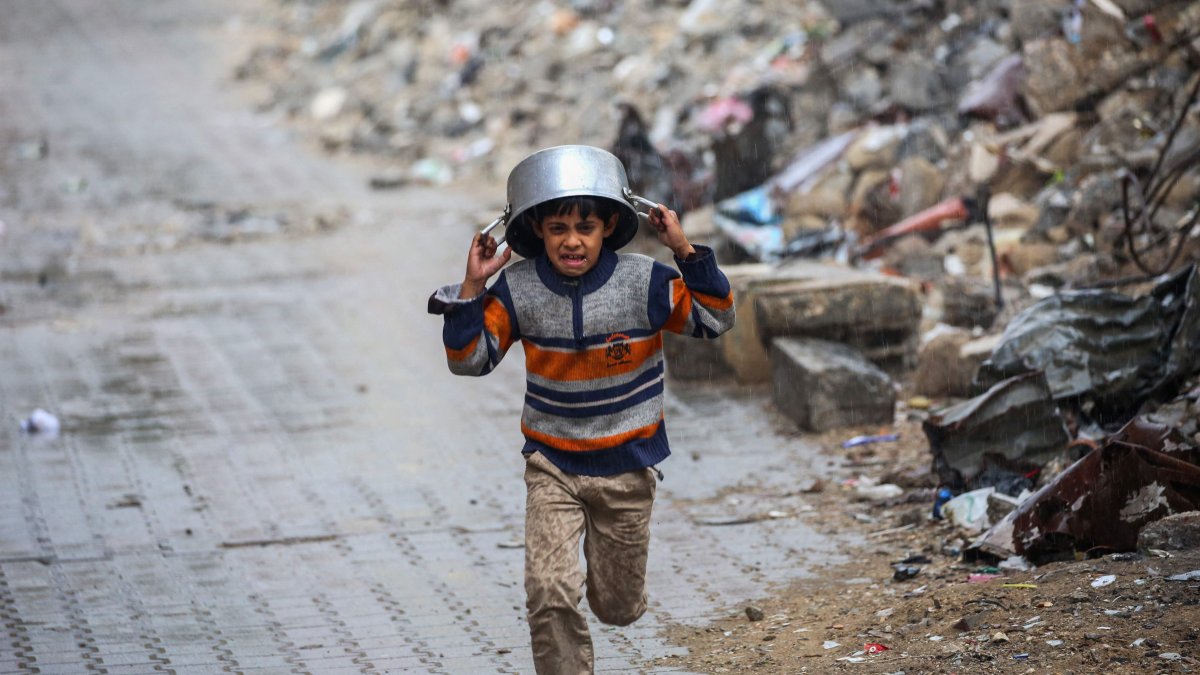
866, 440
1103, 581
1054, 643
905, 572
1005, 433
1194, 575
1017, 563
943, 495
969, 510
510, 544
983, 578
830, 644
1018, 585
1021, 657
875, 648
1170, 656
869, 489
41, 422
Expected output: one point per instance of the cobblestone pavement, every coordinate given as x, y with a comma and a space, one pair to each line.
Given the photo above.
264, 464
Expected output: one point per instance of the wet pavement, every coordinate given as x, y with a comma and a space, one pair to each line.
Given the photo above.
264, 463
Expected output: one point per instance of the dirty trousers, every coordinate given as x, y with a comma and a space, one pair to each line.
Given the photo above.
612, 513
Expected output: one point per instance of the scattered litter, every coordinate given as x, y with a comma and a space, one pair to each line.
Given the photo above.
1018, 585
943, 495
830, 644
41, 422
875, 648
866, 440
852, 659
510, 544
969, 510
1170, 656
1137, 643
1021, 657
1103, 581
1194, 575
1054, 643
904, 572
983, 578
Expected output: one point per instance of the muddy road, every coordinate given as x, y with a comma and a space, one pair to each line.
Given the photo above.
264, 463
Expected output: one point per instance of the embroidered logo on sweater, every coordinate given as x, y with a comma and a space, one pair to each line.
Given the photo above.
618, 349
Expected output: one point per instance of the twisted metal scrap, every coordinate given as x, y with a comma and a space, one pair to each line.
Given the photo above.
1149, 203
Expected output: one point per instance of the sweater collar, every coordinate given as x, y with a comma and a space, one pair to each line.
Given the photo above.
592, 280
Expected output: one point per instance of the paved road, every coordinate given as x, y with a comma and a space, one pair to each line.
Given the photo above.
264, 464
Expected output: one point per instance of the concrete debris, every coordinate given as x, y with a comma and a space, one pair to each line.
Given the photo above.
824, 385
1176, 532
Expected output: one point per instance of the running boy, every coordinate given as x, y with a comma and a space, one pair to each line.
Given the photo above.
590, 322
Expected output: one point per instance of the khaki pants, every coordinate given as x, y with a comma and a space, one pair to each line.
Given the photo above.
612, 513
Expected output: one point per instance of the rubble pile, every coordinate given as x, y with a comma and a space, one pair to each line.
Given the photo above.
1004, 194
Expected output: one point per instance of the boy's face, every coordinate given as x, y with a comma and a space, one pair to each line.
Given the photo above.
572, 243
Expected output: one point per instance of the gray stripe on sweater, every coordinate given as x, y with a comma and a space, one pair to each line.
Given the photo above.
582, 428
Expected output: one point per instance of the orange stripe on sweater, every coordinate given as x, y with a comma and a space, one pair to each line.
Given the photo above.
585, 444
714, 302
681, 307
459, 355
497, 322
597, 362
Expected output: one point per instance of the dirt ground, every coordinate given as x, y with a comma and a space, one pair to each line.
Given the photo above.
1054, 619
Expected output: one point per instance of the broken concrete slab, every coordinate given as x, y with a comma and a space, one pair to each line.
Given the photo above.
1012, 429
824, 385
875, 314
1100, 503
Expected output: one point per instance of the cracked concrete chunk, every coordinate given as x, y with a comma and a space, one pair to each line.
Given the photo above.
824, 385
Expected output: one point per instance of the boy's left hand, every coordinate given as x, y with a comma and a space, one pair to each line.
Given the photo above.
666, 223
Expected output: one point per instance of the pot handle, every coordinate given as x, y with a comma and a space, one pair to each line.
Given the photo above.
492, 225
637, 200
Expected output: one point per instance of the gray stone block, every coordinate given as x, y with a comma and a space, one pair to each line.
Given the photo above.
824, 385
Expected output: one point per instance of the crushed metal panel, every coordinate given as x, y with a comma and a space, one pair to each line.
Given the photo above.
1015, 427
1112, 349
1141, 474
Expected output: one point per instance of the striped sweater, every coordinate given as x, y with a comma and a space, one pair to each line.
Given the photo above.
593, 349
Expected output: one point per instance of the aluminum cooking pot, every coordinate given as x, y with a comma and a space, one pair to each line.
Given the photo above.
566, 171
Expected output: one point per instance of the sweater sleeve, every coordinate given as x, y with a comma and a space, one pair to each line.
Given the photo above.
477, 331
695, 301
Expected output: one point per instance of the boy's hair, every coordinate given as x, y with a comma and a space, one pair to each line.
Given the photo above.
603, 207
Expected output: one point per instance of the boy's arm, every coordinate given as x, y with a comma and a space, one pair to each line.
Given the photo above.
696, 300
479, 326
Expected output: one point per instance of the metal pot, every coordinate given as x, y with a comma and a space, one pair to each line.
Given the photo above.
566, 171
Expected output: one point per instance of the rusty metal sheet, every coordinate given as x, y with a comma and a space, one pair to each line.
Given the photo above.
1013, 428
1099, 504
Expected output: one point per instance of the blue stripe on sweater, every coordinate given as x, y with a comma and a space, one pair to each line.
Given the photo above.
648, 393
595, 394
633, 456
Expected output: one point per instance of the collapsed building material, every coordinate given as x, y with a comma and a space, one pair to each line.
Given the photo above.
1109, 349
998, 437
1176, 532
823, 385
1100, 503
872, 313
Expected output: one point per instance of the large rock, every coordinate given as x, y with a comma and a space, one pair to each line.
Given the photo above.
824, 385
939, 370
1177, 532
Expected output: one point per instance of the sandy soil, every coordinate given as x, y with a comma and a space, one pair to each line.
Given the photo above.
1058, 618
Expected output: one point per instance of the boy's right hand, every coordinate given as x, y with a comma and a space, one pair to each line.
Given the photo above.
482, 263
